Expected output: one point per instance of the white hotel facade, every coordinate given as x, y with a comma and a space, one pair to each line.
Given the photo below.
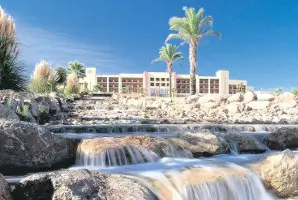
152, 83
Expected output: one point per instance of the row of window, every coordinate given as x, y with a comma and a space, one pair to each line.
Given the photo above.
159, 84
159, 79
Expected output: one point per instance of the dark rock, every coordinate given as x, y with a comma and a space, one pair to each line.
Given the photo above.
7, 113
4, 189
27, 147
82, 184
282, 138
201, 143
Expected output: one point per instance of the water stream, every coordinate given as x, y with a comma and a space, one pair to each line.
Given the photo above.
176, 175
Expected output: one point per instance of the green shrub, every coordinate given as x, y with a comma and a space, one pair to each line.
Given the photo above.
295, 91
278, 91
11, 70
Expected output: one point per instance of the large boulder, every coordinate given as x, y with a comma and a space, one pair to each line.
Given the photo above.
212, 98
234, 108
282, 138
279, 173
258, 105
238, 97
81, 184
4, 189
288, 105
249, 96
7, 113
266, 97
287, 96
201, 143
27, 147
244, 143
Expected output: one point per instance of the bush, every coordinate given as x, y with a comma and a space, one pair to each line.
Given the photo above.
72, 85
11, 71
44, 79
294, 91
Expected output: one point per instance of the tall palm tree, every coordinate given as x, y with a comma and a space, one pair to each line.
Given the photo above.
169, 54
77, 68
191, 29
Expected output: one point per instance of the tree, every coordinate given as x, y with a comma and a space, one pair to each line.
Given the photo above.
11, 70
62, 75
278, 91
295, 92
77, 68
169, 55
191, 29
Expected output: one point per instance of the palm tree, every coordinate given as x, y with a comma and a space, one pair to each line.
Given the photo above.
191, 29
169, 55
77, 68
62, 75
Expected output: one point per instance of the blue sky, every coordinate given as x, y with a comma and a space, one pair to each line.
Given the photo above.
259, 37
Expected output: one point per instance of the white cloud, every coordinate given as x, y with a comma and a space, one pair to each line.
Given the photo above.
58, 48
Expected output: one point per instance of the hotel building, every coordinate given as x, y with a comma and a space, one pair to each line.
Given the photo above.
153, 83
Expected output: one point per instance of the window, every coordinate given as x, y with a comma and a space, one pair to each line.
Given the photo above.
151, 84
151, 79
162, 79
168, 79
163, 84
157, 84
168, 84
157, 79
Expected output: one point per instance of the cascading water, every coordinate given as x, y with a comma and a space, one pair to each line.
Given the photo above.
174, 174
205, 182
117, 156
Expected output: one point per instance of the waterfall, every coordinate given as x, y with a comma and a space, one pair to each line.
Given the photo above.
207, 181
116, 156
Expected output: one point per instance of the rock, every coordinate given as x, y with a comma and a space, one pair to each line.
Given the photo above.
192, 99
4, 189
238, 97
27, 147
209, 105
82, 184
7, 113
265, 97
244, 143
212, 98
258, 105
249, 96
201, 143
234, 108
282, 138
288, 104
287, 96
279, 173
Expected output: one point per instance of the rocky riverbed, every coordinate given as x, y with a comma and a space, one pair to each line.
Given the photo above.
248, 108
144, 148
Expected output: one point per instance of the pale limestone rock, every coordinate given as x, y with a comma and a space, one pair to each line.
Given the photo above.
279, 173
249, 96
212, 98
257, 105
266, 97
238, 97
287, 96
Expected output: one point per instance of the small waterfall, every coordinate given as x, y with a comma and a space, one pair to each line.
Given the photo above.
205, 182
116, 156
135, 149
